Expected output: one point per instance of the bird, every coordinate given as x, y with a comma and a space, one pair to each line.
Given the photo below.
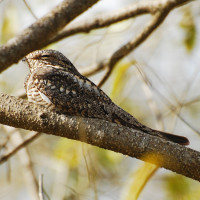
55, 83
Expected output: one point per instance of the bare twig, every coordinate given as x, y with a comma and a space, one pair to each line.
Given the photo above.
173, 108
95, 70
20, 146
160, 10
139, 8
23, 114
150, 99
127, 48
40, 33
30, 10
25, 160
41, 187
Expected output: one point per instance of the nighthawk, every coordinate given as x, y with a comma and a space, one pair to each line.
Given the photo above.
55, 83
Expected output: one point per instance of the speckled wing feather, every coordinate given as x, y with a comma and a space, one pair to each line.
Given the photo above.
71, 94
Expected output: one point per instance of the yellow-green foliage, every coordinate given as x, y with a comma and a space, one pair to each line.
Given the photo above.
181, 188
10, 23
188, 26
70, 151
108, 158
138, 180
119, 80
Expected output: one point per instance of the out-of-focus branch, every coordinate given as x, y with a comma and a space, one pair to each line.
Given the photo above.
38, 34
139, 8
11, 152
17, 141
30, 10
20, 113
43, 30
41, 197
131, 45
89, 72
160, 10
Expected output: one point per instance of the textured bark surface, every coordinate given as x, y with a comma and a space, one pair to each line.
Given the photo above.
20, 113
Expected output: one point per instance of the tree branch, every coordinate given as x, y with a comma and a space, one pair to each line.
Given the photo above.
20, 113
104, 21
38, 34
131, 45
18, 147
139, 8
160, 10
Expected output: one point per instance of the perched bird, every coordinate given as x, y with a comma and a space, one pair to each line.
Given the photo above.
55, 83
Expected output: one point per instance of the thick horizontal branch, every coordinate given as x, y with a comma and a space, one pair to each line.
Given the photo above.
20, 113
38, 34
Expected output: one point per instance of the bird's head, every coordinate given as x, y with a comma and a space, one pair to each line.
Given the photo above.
51, 58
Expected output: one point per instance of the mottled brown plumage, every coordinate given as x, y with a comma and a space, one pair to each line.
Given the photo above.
55, 83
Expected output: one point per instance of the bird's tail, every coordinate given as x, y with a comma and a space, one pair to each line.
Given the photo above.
122, 117
174, 138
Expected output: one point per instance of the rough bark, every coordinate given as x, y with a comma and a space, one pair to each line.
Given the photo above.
20, 113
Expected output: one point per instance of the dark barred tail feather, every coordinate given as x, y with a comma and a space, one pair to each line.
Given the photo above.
174, 138
122, 117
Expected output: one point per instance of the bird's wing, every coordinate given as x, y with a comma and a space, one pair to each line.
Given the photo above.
72, 94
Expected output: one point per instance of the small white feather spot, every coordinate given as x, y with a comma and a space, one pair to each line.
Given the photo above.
48, 83
44, 97
62, 89
53, 87
81, 82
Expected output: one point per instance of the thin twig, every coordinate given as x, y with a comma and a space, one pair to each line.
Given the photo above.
30, 10
137, 9
160, 12
150, 98
41, 187
101, 66
20, 146
173, 108
26, 163
156, 20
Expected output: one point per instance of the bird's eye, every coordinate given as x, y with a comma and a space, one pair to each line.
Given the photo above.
45, 56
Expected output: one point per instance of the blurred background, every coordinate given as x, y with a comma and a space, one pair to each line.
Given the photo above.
158, 83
